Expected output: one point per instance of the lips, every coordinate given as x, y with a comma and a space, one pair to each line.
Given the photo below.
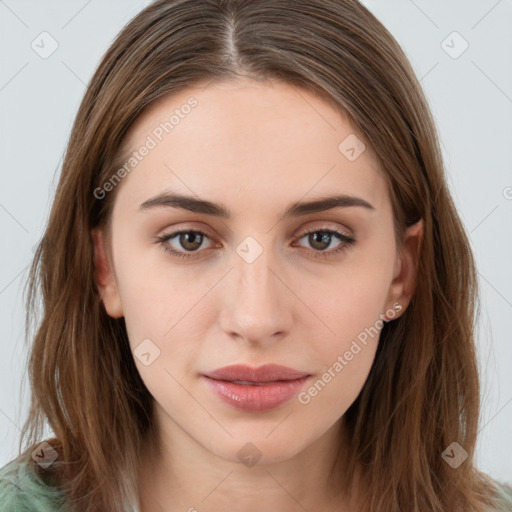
255, 389
263, 374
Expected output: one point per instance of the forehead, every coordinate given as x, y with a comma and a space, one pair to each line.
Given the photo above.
269, 137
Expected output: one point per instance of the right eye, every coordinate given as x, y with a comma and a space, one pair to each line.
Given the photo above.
189, 239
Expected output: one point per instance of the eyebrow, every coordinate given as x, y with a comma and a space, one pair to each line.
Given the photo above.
296, 209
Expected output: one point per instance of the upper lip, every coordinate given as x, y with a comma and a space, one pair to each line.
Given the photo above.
265, 373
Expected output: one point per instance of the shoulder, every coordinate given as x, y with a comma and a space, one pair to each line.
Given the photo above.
23, 490
505, 496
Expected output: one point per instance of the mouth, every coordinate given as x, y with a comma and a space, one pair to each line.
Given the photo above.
255, 389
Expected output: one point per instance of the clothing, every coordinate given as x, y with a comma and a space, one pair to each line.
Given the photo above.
506, 497
22, 490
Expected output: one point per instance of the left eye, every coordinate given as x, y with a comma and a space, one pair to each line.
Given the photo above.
320, 239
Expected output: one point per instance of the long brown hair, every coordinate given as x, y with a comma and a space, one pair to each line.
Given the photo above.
422, 393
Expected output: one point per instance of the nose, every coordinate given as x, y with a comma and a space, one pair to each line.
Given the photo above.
257, 306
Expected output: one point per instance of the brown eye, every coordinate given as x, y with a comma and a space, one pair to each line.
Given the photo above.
190, 240
320, 240
187, 241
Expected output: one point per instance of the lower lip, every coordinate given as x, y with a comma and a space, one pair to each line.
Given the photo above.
255, 398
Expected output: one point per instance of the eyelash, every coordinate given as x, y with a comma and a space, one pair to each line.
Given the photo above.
348, 241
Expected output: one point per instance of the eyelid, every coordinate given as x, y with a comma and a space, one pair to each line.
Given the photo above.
344, 237
171, 231
297, 235
324, 227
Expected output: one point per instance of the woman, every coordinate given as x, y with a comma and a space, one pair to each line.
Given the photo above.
256, 287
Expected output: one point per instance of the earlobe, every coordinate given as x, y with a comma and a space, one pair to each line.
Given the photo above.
104, 275
406, 269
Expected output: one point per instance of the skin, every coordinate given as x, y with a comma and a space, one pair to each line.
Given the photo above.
255, 147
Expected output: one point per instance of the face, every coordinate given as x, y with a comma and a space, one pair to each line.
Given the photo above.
259, 274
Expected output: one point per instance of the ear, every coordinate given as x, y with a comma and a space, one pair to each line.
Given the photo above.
405, 271
104, 275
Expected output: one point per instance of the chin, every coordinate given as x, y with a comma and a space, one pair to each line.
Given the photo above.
256, 448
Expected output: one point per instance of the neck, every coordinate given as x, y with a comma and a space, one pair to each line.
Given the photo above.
178, 474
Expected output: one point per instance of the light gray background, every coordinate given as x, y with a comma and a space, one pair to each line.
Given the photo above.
470, 95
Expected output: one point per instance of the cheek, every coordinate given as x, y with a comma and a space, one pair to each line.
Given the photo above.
348, 300
345, 354
155, 295
351, 305
166, 314
336, 388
